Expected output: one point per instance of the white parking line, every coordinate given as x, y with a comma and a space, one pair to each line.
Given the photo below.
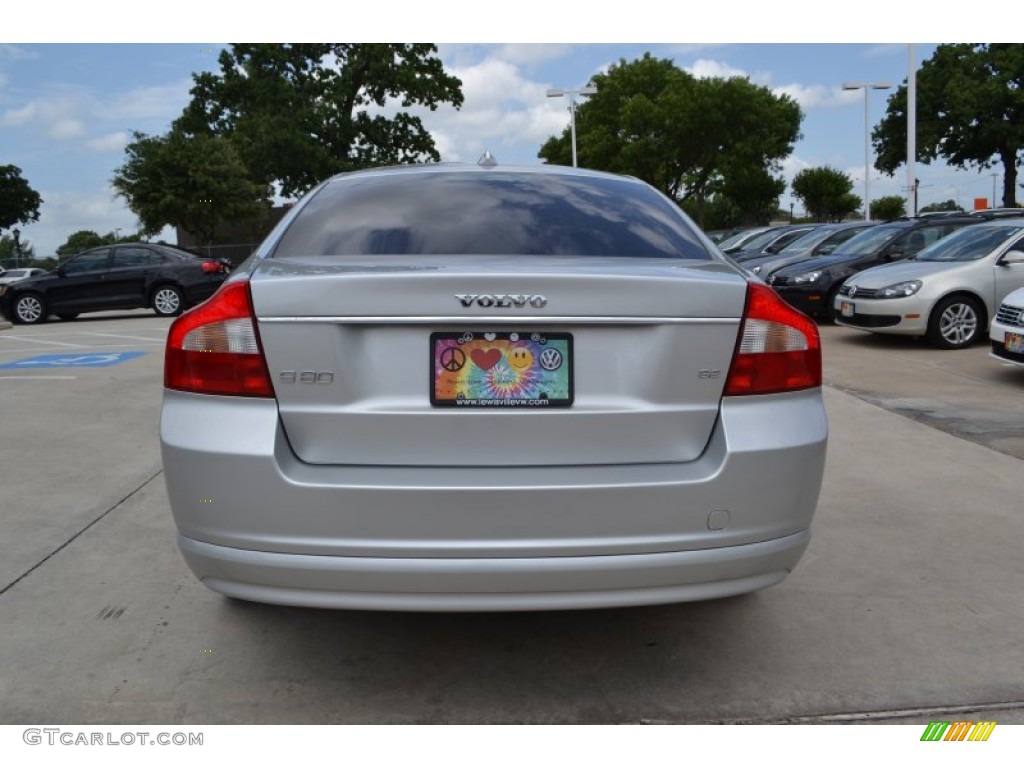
37, 340
122, 336
26, 378
90, 346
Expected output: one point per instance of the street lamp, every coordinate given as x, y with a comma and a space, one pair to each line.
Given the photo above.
17, 247
867, 136
586, 90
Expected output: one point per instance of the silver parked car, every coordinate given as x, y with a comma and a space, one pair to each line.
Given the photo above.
948, 292
11, 276
1007, 331
483, 388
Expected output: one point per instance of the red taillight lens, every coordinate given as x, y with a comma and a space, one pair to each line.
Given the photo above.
212, 266
215, 348
779, 349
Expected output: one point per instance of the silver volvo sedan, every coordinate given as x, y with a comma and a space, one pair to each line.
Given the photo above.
476, 388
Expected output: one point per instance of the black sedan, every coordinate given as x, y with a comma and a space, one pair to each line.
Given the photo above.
124, 276
811, 285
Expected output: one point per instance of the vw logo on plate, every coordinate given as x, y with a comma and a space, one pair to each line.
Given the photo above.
550, 359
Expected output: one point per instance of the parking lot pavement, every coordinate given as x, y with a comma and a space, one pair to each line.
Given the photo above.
76, 438
908, 604
964, 392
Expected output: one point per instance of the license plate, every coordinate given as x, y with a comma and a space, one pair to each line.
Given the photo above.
846, 308
499, 369
1014, 342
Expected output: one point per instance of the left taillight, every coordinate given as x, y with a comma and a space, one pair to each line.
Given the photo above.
212, 267
215, 349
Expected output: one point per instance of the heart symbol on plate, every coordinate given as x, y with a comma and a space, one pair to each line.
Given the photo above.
486, 358
490, 336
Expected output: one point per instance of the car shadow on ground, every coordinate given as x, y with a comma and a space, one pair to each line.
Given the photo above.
626, 664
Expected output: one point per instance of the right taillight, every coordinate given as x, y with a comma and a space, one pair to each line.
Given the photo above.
215, 349
779, 349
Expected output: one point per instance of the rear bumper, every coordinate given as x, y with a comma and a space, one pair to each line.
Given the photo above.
495, 584
258, 524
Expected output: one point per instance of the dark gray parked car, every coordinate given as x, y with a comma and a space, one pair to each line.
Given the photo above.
123, 276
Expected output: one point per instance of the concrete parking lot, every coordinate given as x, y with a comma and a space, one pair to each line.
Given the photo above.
909, 603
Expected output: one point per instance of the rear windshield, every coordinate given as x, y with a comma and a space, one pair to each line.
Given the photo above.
490, 213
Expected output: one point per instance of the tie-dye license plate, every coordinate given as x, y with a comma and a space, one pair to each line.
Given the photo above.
516, 369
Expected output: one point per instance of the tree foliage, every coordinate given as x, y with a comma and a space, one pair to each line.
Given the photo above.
193, 182
948, 205
826, 193
300, 113
19, 203
970, 112
9, 255
684, 135
888, 207
84, 239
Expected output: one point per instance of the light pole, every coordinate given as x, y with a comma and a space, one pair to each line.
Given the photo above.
867, 136
17, 247
586, 90
994, 177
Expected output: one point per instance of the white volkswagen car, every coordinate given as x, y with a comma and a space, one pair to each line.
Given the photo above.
948, 292
1007, 332
482, 388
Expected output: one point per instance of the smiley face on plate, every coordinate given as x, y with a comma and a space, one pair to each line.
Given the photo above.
519, 358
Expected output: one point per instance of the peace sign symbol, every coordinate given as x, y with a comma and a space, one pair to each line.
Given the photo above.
452, 359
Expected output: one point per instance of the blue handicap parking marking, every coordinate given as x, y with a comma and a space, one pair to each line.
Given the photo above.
75, 360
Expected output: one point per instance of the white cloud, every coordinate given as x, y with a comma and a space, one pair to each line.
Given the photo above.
708, 68
811, 96
792, 165
68, 212
16, 52
19, 116
154, 103
501, 107
531, 53
66, 129
72, 113
705, 68
112, 142
886, 49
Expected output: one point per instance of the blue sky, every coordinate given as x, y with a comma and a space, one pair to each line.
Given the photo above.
67, 109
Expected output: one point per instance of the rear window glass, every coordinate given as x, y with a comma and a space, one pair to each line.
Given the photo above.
490, 213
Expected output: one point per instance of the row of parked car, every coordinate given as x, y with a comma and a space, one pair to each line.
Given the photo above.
950, 278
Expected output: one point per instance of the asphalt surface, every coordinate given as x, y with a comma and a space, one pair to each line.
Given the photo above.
907, 607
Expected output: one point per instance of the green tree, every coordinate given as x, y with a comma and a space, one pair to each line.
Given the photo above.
825, 193
19, 203
755, 194
10, 256
80, 241
888, 207
302, 112
948, 205
684, 135
970, 112
193, 182
86, 238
